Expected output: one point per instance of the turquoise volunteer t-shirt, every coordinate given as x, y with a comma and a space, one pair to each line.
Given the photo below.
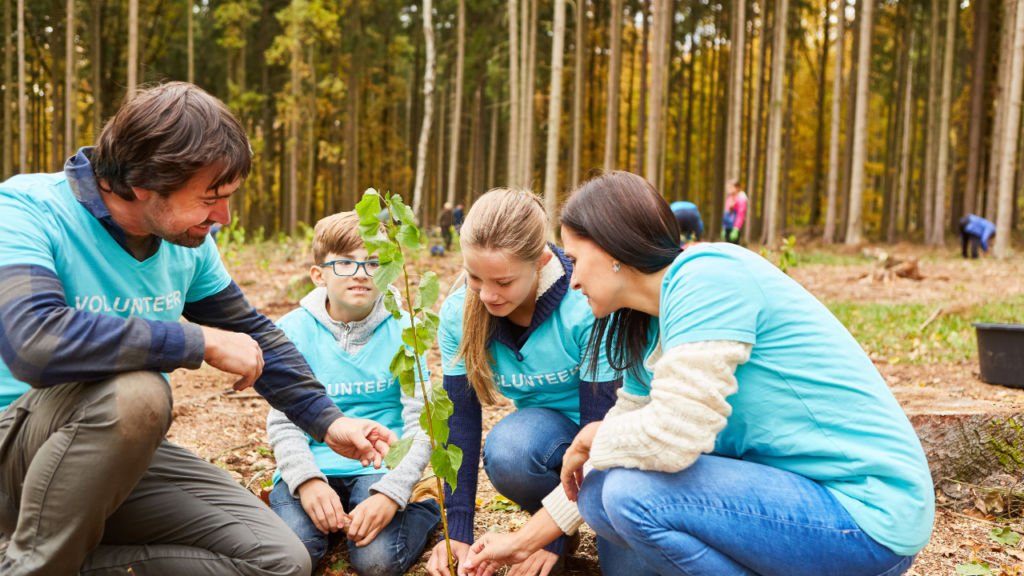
360, 384
548, 376
810, 401
45, 225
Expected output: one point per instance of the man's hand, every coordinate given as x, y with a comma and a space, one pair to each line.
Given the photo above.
358, 439
322, 504
234, 353
370, 517
577, 455
438, 563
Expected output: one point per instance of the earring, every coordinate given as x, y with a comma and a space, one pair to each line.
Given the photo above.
615, 266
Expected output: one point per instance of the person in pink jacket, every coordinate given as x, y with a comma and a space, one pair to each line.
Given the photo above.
735, 212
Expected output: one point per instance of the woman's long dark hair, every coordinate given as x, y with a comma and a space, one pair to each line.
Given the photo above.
627, 218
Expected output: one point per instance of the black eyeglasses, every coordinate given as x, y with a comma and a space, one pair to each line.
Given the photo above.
350, 267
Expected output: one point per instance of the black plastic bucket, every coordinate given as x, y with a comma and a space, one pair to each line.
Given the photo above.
1001, 353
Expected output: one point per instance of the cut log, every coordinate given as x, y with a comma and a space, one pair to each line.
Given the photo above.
964, 439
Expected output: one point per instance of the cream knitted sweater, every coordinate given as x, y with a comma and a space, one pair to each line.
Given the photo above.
669, 429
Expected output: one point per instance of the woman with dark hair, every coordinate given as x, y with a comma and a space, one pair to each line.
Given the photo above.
767, 443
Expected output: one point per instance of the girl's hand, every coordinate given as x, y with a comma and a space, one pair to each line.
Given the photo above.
322, 504
438, 563
540, 563
577, 455
492, 551
370, 517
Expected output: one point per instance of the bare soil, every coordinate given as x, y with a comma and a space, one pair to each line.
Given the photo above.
230, 428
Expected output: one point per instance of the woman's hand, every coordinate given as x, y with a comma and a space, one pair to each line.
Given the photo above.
492, 551
370, 517
322, 504
577, 455
438, 563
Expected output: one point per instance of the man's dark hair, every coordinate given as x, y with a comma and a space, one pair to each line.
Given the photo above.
164, 135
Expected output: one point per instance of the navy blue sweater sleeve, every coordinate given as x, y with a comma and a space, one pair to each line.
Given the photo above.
45, 342
465, 431
287, 381
596, 399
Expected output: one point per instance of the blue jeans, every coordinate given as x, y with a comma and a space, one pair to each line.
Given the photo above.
523, 459
724, 516
394, 549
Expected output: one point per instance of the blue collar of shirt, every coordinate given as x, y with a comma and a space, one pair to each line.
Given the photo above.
546, 304
82, 180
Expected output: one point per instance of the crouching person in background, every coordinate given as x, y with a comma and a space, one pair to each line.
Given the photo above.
99, 262
349, 338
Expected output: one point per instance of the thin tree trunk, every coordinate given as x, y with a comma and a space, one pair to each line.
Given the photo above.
833, 146
477, 144
293, 130
734, 114
851, 108
901, 210
819, 142
641, 116
979, 71
941, 166
22, 112
69, 82
928, 202
689, 125
577, 93
96, 38
661, 18
554, 119
8, 129
492, 162
133, 48
754, 143
530, 102
774, 155
311, 151
513, 88
855, 224
1009, 148
524, 90
787, 143
1007, 39
456, 129
428, 105
355, 83
439, 173
611, 130
191, 52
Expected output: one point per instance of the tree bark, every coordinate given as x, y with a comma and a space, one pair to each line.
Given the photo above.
941, 166
352, 192
577, 93
833, 145
1011, 134
860, 127
456, 129
69, 82
641, 116
22, 112
293, 126
96, 39
819, 142
928, 201
428, 105
611, 131
8, 84
734, 114
191, 52
661, 17
554, 120
901, 209
492, 162
311, 150
1007, 39
513, 88
754, 143
979, 71
133, 48
530, 102
774, 155
689, 126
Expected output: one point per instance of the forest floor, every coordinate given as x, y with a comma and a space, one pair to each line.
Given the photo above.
885, 315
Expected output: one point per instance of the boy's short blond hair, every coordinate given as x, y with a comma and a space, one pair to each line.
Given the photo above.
336, 234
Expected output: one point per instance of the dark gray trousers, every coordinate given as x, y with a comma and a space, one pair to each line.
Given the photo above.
89, 485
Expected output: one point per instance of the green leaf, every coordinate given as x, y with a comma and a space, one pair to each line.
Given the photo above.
397, 452
1004, 536
392, 305
401, 211
409, 237
428, 291
439, 401
369, 207
974, 568
421, 340
404, 360
431, 320
339, 566
408, 381
446, 463
440, 428
502, 504
387, 273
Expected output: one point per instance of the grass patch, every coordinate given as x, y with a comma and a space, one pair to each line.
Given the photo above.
891, 331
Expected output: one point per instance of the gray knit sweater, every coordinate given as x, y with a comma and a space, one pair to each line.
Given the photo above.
295, 460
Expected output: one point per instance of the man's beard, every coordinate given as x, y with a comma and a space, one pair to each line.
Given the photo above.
155, 223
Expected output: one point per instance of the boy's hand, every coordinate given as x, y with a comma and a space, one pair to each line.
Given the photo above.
322, 504
234, 353
370, 517
362, 440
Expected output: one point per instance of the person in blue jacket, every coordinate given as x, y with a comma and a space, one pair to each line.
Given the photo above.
512, 328
688, 217
976, 231
766, 443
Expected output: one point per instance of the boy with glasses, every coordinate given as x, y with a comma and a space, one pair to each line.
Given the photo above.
349, 338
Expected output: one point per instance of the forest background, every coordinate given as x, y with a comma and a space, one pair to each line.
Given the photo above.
845, 120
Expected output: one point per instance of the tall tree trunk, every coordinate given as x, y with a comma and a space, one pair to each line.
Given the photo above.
855, 224
428, 105
901, 209
554, 119
893, 158
492, 162
611, 129
293, 128
734, 114
477, 144
352, 192
191, 51
133, 48
689, 125
851, 108
774, 155
456, 129
524, 91
979, 70
941, 166
311, 151
1009, 147
439, 173
577, 93
8, 84
22, 112
928, 202
641, 116
69, 82
1007, 39
787, 143
513, 88
530, 101
819, 142
754, 143
56, 107
661, 18
833, 145
96, 39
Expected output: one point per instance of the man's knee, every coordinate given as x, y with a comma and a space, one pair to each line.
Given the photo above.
287, 556
143, 404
